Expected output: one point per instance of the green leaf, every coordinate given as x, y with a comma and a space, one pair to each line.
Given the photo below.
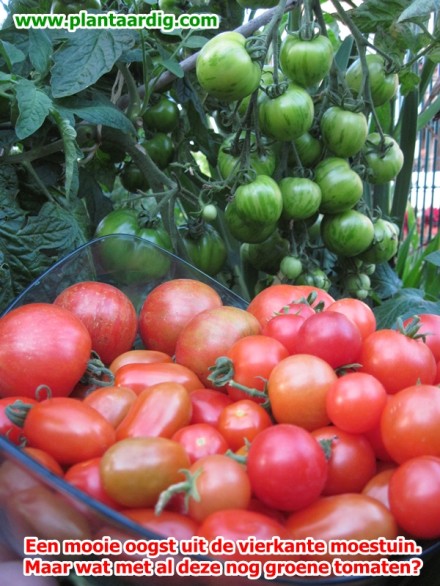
85, 57
173, 67
342, 56
385, 281
418, 9
11, 54
428, 113
98, 110
40, 50
407, 303
372, 14
98, 205
6, 289
434, 258
33, 106
68, 134
195, 42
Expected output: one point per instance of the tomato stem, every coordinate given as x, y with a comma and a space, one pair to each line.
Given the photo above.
17, 412
187, 486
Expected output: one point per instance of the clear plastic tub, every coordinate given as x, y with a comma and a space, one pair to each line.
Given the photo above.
33, 501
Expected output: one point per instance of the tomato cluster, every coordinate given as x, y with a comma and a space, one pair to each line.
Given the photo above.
295, 416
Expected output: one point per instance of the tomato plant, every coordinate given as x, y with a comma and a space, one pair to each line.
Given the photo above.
259, 201
162, 116
344, 132
383, 84
347, 233
341, 187
306, 61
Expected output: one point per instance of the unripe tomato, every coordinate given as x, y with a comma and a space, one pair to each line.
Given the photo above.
306, 62
301, 197
263, 162
267, 256
385, 164
341, 187
291, 267
347, 233
161, 149
206, 251
245, 230
260, 200
163, 116
344, 132
383, 85
385, 242
309, 150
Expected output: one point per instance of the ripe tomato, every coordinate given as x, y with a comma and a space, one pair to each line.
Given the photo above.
304, 61
378, 486
410, 423
136, 470
272, 299
45, 459
87, 477
430, 329
42, 344
352, 461
207, 405
169, 307
343, 517
13, 432
355, 402
112, 402
358, 312
107, 313
343, 132
68, 430
284, 328
297, 389
209, 335
168, 523
287, 467
330, 336
199, 440
158, 411
137, 357
141, 376
414, 493
396, 360
242, 421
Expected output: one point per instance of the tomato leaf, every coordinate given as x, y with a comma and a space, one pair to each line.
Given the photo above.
418, 9
11, 54
68, 134
385, 281
34, 106
407, 303
434, 258
40, 50
98, 110
85, 57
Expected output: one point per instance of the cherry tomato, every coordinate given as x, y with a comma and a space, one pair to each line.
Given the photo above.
287, 467
207, 405
111, 402
378, 486
284, 328
45, 459
242, 421
137, 357
200, 439
87, 477
168, 523
142, 376
430, 329
358, 312
13, 432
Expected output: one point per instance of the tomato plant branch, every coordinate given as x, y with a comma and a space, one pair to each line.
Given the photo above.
39, 152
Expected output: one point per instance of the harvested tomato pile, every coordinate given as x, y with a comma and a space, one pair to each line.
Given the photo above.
295, 417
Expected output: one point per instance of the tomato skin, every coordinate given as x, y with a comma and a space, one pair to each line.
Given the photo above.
385, 242
332, 337
306, 62
107, 313
244, 230
137, 357
47, 345
347, 233
396, 360
284, 328
383, 85
86, 476
207, 405
168, 523
224, 68
169, 307
111, 402
209, 335
378, 486
343, 517
430, 327
414, 496
158, 411
206, 251
162, 116
344, 132
242, 421
139, 377
260, 200
68, 430
358, 312
352, 461
309, 149
382, 166
135, 471
266, 256
287, 467
341, 187
410, 423
199, 440
45, 459
160, 148
301, 197
288, 116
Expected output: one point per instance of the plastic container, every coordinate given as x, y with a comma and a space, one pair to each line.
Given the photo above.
33, 501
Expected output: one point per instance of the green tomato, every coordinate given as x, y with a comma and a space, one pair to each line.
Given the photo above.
63, 7
163, 116
309, 149
259, 201
301, 197
314, 277
383, 85
358, 285
161, 149
288, 116
267, 255
225, 69
244, 230
263, 163
348, 233
385, 242
343, 132
206, 251
382, 165
306, 62
86, 135
133, 260
133, 179
341, 187
291, 267
209, 212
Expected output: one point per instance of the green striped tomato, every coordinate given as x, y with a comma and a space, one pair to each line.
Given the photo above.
382, 165
245, 230
301, 197
344, 132
260, 200
348, 233
341, 187
306, 62
383, 85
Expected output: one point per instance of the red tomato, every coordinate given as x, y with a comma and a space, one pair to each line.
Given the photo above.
142, 376
358, 312
107, 313
272, 299
352, 461
238, 525
355, 402
160, 410
343, 517
284, 328
167, 524
207, 405
13, 432
297, 389
414, 493
68, 430
410, 423
112, 402
396, 360
42, 344
45, 459
209, 335
86, 476
287, 467
138, 357
252, 360
199, 440
330, 336
169, 307
430, 329
378, 486
242, 421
